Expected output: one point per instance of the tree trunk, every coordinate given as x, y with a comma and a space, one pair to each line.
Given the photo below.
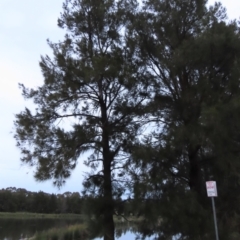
108, 227
108, 207
194, 171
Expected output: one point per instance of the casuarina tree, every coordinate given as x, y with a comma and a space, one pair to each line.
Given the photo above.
193, 54
86, 104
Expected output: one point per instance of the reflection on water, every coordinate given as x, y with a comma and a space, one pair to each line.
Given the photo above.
131, 232
127, 232
14, 229
128, 235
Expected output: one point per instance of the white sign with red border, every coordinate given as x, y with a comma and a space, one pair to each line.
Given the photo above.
211, 188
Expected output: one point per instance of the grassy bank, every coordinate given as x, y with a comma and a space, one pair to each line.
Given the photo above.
131, 219
72, 232
58, 226
27, 215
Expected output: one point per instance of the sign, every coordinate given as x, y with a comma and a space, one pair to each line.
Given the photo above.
211, 188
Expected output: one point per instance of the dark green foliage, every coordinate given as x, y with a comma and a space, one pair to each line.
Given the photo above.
54, 237
67, 236
193, 54
21, 200
151, 94
74, 203
90, 83
7, 202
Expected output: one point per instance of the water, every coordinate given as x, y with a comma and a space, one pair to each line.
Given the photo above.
126, 232
127, 236
14, 229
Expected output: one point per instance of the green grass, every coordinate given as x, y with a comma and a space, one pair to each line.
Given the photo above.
132, 219
26, 215
72, 232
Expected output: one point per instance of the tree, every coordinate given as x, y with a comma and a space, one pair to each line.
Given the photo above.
91, 83
21, 199
53, 203
7, 201
193, 54
40, 202
74, 203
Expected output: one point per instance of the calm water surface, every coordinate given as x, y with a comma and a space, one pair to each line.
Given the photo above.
14, 229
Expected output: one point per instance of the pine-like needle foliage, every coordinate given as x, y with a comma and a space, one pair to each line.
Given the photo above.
91, 83
193, 53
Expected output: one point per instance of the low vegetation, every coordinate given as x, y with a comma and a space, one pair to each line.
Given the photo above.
76, 231
25, 215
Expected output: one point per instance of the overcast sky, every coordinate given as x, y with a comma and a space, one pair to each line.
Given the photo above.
24, 27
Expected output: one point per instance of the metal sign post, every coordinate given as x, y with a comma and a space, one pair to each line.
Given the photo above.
212, 192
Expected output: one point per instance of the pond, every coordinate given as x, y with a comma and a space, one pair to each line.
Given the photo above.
14, 229
131, 234
126, 232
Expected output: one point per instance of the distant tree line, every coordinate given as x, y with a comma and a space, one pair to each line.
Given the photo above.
19, 199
